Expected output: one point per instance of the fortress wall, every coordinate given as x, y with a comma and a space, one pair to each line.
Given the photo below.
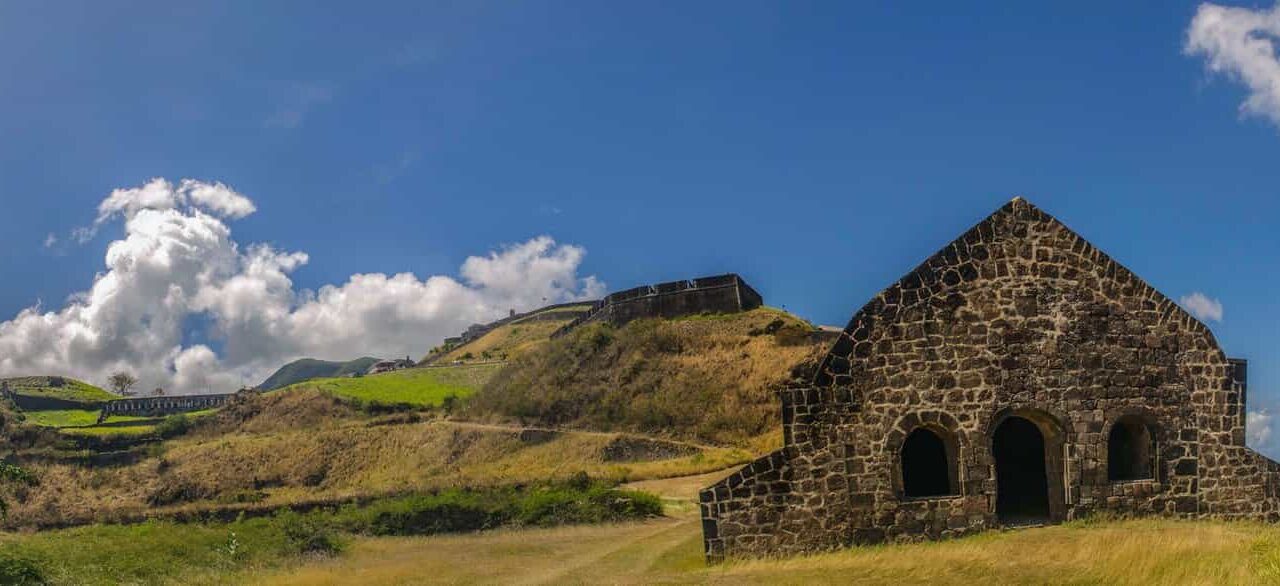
718, 294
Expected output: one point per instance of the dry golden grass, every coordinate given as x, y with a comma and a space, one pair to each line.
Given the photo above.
707, 378
506, 342
669, 551
306, 452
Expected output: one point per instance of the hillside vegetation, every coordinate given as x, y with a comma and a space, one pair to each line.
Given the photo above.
290, 448
310, 368
57, 387
510, 341
414, 387
707, 378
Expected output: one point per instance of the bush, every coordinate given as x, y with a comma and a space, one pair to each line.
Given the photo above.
19, 571
307, 533
173, 426
457, 511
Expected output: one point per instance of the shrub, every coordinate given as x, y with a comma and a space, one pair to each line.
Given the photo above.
307, 533
20, 571
173, 426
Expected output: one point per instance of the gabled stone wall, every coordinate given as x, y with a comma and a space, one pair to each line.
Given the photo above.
1018, 318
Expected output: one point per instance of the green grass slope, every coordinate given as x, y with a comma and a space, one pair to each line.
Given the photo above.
59, 388
707, 378
418, 387
310, 368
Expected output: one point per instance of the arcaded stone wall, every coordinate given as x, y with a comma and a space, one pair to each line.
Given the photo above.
163, 405
1020, 317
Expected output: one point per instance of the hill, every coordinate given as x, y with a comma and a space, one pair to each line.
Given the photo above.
509, 338
706, 378
309, 368
414, 387
57, 388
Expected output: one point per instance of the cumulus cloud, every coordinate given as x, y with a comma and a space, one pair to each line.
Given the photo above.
1202, 306
1241, 43
51, 240
1258, 428
178, 264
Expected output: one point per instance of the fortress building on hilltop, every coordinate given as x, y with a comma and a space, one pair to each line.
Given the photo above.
1018, 376
718, 294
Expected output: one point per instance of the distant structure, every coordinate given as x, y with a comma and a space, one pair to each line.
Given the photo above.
382, 366
718, 294
1018, 376
166, 405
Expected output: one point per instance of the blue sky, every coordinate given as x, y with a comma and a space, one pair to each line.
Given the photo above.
820, 149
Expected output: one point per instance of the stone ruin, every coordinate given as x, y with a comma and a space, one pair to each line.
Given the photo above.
1018, 376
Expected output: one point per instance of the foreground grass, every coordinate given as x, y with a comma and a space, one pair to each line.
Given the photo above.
417, 387
217, 553
670, 552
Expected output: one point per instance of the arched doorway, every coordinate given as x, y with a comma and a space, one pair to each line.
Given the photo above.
1022, 483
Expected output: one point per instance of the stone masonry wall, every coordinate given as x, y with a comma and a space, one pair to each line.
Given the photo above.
719, 294
1019, 317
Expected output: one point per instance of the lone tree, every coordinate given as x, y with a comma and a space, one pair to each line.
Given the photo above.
121, 382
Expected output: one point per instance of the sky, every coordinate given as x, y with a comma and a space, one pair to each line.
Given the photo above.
202, 191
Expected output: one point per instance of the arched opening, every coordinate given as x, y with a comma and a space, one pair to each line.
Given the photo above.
1022, 484
1129, 450
926, 466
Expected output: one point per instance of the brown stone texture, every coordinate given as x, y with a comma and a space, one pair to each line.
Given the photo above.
1020, 317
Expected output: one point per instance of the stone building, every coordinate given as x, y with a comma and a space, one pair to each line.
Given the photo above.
1018, 376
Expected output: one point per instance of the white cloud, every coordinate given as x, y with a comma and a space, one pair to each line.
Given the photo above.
178, 261
296, 101
159, 194
1258, 428
1240, 43
1202, 306
51, 240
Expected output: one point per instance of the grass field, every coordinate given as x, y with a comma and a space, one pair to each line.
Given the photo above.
420, 387
661, 551
74, 418
512, 340
69, 389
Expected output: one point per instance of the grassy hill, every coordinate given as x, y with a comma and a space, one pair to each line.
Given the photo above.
289, 448
59, 388
310, 368
511, 340
707, 378
416, 387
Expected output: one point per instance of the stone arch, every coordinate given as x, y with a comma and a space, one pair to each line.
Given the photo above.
1056, 433
917, 445
1133, 439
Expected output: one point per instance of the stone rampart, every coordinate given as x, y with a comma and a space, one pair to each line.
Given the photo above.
718, 294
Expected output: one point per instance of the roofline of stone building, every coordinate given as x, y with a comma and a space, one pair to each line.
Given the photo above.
924, 275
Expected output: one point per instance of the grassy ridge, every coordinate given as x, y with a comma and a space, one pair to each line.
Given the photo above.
708, 378
513, 340
309, 368
418, 387
67, 389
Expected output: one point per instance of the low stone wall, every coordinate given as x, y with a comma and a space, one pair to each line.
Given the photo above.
718, 294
